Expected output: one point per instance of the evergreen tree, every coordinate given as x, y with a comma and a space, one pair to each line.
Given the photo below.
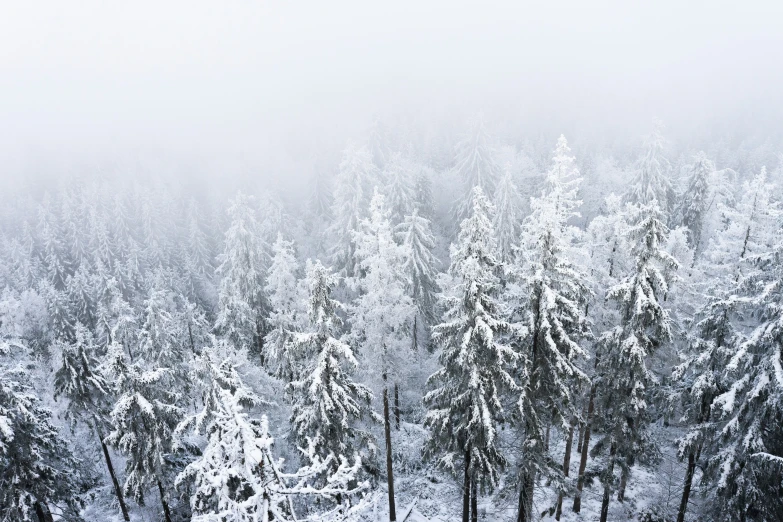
399, 187
652, 182
465, 403
622, 359
327, 403
696, 200
507, 214
37, 466
549, 297
474, 166
354, 180
419, 264
241, 303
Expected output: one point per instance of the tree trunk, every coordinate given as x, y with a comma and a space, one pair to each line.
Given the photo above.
43, 513
623, 483
580, 481
566, 465
389, 470
466, 490
415, 336
546, 438
525, 508
608, 484
114, 481
686, 489
397, 405
473, 501
165, 504
582, 428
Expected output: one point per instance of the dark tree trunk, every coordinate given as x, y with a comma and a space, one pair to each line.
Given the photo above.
415, 336
626, 471
566, 465
525, 508
608, 484
466, 490
397, 405
114, 481
473, 501
190, 335
582, 428
43, 513
580, 481
389, 470
686, 489
546, 438
166, 512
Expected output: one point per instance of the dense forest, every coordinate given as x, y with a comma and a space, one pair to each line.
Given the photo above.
454, 326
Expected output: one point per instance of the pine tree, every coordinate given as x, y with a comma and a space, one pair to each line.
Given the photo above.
652, 182
88, 393
241, 304
351, 193
622, 359
237, 478
418, 242
381, 314
696, 200
474, 166
399, 187
549, 297
285, 302
143, 420
37, 467
507, 219
327, 403
55, 259
464, 405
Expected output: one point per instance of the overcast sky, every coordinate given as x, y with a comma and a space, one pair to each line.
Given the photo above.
228, 75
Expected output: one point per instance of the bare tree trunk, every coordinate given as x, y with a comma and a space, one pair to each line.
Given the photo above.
466, 490
389, 470
415, 336
626, 471
608, 484
686, 489
546, 438
525, 508
43, 513
582, 428
114, 481
566, 465
166, 512
580, 481
473, 501
397, 405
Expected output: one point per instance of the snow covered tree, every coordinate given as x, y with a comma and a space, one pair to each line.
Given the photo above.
241, 303
287, 313
465, 406
381, 315
548, 296
652, 182
624, 379
507, 218
81, 294
420, 266
696, 200
399, 187
37, 466
160, 344
351, 194
327, 403
474, 166
80, 381
54, 252
237, 478
143, 421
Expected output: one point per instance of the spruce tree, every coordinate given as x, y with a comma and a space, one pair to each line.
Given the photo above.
652, 181
474, 166
507, 219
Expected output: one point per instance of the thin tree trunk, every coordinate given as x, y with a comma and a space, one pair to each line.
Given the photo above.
43, 513
566, 465
466, 490
415, 336
623, 483
114, 481
686, 489
546, 438
190, 335
166, 512
389, 470
397, 405
608, 484
582, 427
473, 501
580, 481
525, 508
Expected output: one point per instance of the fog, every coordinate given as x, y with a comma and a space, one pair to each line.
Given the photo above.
262, 86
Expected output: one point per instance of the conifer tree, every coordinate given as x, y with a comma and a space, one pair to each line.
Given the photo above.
465, 406
474, 166
652, 182
696, 200
327, 403
622, 359
507, 219
419, 265
399, 187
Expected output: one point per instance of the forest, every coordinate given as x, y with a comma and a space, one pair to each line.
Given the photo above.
438, 327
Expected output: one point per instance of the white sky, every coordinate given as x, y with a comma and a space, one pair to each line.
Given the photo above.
209, 74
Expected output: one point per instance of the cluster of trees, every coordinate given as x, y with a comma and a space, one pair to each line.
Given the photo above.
169, 333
